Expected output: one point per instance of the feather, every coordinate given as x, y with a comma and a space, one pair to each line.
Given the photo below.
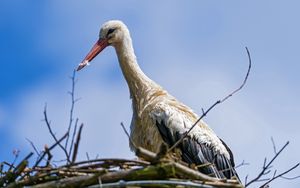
208, 160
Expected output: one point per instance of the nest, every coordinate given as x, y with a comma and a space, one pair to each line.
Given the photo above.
155, 170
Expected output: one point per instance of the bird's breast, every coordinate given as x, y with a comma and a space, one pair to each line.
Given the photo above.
144, 133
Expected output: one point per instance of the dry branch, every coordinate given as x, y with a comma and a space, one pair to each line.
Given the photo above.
12, 175
73, 136
53, 135
279, 175
267, 168
204, 113
50, 148
73, 101
76, 146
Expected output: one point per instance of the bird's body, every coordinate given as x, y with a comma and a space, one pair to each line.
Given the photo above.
157, 116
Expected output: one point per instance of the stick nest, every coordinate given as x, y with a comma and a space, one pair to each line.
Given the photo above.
152, 171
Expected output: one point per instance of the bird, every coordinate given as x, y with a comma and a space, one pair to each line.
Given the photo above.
157, 116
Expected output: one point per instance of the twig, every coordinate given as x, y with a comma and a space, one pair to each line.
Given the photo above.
21, 166
279, 175
290, 178
266, 166
139, 162
50, 148
73, 137
25, 159
204, 113
130, 140
243, 163
246, 179
73, 101
16, 154
274, 146
11, 166
53, 135
48, 153
87, 156
76, 145
33, 146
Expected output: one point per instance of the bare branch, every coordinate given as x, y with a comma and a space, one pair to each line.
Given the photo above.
11, 166
266, 167
204, 113
73, 101
245, 79
53, 135
87, 156
280, 175
16, 154
130, 140
246, 179
22, 165
76, 145
33, 146
243, 163
274, 146
290, 178
73, 137
48, 153
26, 158
50, 148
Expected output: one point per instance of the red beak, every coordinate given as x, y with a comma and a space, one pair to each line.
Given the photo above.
97, 48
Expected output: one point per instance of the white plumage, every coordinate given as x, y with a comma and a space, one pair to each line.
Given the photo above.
157, 116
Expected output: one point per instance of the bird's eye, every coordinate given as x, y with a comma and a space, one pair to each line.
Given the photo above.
111, 30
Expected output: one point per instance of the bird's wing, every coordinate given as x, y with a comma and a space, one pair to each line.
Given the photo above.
197, 148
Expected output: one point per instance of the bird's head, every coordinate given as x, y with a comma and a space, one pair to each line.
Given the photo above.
111, 33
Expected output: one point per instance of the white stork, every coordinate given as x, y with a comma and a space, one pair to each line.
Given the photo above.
158, 116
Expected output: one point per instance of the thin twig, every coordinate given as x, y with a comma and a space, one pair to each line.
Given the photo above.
87, 156
246, 179
279, 175
243, 163
11, 166
130, 140
76, 145
204, 113
73, 101
266, 166
25, 159
143, 163
50, 148
33, 146
22, 165
48, 153
53, 135
290, 178
16, 154
73, 137
274, 146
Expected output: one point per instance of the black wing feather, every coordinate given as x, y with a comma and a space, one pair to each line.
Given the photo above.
193, 152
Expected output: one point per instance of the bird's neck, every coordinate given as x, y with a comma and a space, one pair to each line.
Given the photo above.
137, 81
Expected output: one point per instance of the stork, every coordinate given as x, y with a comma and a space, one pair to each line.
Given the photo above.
159, 117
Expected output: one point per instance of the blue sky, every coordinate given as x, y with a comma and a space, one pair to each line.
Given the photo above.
194, 49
